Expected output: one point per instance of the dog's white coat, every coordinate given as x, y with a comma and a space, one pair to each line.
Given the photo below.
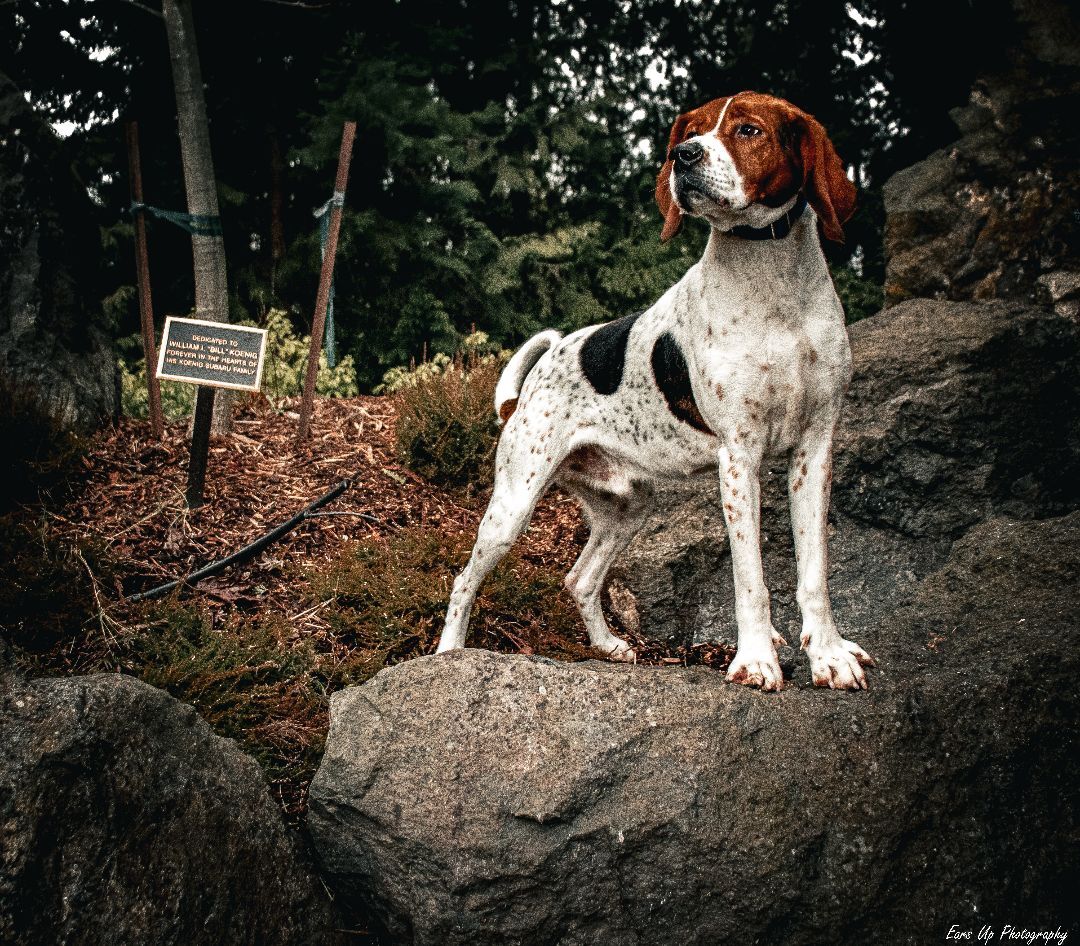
763, 334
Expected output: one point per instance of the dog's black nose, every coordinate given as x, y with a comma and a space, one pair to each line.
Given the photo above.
689, 152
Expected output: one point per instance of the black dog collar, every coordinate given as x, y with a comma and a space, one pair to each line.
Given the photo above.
777, 230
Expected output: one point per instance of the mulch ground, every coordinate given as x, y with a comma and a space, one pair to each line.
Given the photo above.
257, 477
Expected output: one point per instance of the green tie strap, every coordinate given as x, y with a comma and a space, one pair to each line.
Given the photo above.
329, 340
195, 224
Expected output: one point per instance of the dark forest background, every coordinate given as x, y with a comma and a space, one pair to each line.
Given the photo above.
506, 153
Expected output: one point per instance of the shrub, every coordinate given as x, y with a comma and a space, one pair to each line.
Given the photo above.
283, 374
177, 398
244, 678
286, 363
390, 597
446, 428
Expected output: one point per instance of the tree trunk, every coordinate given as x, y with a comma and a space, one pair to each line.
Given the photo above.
211, 286
277, 209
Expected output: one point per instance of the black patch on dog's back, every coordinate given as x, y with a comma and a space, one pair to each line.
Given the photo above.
673, 379
603, 354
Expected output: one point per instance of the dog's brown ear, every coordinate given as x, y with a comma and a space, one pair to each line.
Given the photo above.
669, 210
825, 182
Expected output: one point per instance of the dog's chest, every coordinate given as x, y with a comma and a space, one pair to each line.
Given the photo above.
766, 364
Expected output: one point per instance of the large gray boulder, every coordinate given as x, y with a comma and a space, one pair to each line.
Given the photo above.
125, 820
476, 798
479, 798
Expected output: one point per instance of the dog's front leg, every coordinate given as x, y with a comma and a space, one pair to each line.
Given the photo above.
755, 662
834, 662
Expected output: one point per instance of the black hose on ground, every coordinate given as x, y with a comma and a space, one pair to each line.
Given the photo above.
248, 551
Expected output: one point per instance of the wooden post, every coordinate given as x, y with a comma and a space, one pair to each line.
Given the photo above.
318, 326
142, 270
200, 445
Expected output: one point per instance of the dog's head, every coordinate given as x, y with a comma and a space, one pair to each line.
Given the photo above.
740, 160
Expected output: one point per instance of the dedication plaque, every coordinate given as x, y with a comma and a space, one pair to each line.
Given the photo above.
213, 353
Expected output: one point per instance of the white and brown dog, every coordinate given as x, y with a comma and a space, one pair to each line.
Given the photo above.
746, 357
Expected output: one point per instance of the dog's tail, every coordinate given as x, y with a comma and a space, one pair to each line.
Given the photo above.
517, 370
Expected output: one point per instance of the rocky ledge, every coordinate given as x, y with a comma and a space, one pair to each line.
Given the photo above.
479, 798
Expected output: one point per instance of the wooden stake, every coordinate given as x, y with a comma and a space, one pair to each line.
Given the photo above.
200, 445
307, 405
142, 270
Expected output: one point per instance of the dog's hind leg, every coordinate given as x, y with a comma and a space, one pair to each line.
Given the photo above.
507, 516
614, 521
521, 476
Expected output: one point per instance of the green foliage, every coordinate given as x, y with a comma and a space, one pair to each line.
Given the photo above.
506, 153
177, 398
283, 374
286, 363
446, 429
40, 452
474, 348
582, 276
861, 297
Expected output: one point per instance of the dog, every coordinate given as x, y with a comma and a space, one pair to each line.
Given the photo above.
745, 358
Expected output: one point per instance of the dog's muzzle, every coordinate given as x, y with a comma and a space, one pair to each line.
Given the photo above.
690, 185
696, 179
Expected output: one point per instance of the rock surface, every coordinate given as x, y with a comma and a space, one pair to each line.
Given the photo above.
956, 412
53, 337
124, 820
481, 798
994, 215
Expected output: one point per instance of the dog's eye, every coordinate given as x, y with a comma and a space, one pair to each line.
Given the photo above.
689, 133
747, 131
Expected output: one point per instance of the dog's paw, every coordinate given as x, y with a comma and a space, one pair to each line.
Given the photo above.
756, 669
615, 648
778, 639
840, 666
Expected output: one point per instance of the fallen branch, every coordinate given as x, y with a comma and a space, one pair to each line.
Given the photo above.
248, 551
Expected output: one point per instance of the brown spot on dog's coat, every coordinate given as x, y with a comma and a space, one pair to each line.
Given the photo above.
691, 414
507, 408
590, 462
